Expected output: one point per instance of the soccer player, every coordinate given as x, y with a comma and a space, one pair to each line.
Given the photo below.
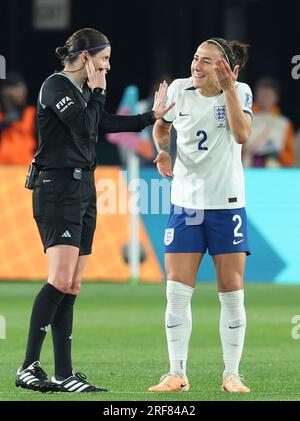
212, 117
70, 115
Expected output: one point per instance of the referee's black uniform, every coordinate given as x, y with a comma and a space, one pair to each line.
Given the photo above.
69, 120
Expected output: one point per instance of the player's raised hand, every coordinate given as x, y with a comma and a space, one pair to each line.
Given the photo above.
96, 77
163, 162
160, 98
226, 77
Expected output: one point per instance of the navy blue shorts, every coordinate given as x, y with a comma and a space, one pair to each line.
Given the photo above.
194, 231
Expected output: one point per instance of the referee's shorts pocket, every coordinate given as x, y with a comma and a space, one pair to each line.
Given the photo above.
43, 201
36, 202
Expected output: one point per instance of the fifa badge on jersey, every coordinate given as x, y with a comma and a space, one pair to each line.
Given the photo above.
169, 236
220, 115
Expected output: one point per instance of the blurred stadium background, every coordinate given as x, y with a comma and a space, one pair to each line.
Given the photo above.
121, 326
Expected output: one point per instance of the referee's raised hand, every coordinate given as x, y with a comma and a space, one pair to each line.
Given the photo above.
96, 77
160, 98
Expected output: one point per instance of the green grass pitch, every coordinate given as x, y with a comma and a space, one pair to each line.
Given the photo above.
119, 342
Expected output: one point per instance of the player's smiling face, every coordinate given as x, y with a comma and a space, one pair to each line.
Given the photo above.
203, 66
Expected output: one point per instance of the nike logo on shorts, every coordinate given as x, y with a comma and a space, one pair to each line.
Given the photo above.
183, 115
237, 242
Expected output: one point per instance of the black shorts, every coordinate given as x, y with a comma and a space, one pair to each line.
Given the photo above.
65, 209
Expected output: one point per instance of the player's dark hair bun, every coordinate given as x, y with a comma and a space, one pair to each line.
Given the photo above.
239, 53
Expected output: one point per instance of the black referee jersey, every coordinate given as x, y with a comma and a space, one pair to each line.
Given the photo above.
69, 119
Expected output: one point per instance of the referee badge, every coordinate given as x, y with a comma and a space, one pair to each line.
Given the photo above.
220, 115
169, 236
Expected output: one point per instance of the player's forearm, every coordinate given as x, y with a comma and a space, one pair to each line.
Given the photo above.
161, 136
238, 122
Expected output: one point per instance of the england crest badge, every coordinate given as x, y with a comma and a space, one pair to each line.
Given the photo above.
220, 115
169, 236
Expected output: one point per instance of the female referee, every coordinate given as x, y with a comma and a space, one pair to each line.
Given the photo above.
212, 117
70, 115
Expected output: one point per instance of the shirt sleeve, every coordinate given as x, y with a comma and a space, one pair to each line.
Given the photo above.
170, 116
113, 123
57, 94
245, 97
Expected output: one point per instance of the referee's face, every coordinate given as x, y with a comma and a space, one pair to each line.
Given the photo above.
101, 59
203, 66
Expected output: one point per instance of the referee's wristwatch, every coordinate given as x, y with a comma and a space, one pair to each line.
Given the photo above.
99, 91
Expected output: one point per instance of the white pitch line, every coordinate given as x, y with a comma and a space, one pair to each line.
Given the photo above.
147, 393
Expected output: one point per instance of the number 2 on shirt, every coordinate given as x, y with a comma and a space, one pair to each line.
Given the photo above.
203, 135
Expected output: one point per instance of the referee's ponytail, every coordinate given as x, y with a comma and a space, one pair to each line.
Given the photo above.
84, 39
235, 52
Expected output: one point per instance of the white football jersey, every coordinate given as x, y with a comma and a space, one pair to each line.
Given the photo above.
208, 172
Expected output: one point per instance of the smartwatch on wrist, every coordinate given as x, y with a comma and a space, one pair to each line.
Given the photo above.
99, 91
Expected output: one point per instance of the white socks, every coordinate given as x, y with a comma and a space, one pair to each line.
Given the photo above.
178, 323
232, 329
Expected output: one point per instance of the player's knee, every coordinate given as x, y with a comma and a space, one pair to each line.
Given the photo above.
173, 276
232, 283
184, 278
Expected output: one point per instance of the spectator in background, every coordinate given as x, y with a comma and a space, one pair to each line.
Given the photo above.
272, 142
18, 139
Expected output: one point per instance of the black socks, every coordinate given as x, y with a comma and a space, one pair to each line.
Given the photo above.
61, 327
43, 311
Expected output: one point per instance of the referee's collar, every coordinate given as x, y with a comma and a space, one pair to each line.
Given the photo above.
71, 80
